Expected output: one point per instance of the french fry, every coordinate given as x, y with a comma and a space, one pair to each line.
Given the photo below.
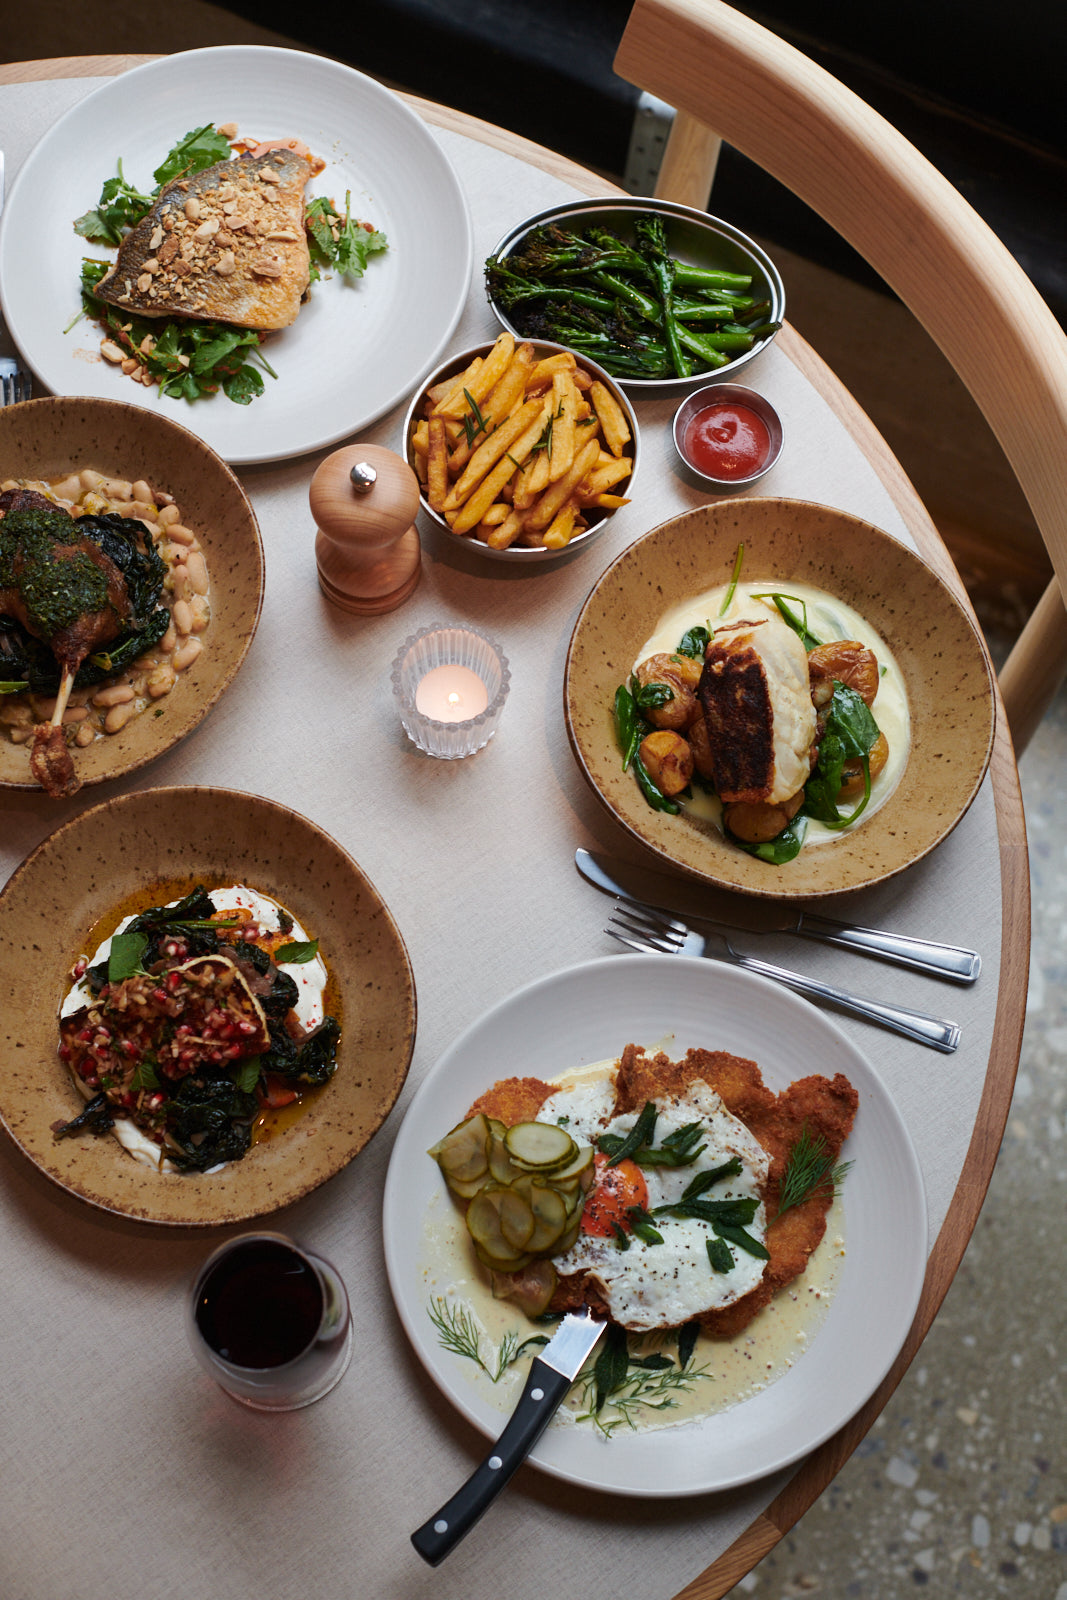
479, 502
489, 453
561, 447
420, 439
611, 417
546, 369
440, 394
437, 464
459, 405
605, 475
558, 533
541, 514
506, 534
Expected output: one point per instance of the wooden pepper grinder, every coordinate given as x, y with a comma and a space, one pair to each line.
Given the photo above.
364, 500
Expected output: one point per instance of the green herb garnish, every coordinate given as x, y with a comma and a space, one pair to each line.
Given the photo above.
809, 1169
124, 957
298, 953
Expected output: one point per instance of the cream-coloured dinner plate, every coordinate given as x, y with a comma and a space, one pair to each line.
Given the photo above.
587, 1013
355, 350
178, 837
942, 660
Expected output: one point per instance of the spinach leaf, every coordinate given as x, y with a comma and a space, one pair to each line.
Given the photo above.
96, 1118
695, 642
850, 731
785, 847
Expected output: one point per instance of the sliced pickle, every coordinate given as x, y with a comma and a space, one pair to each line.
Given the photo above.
501, 1165
568, 1240
539, 1146
531, 1289
511, 1264
550, 1219
483, 1223
466, 1191
577, 1172
517, 1220
463, 1154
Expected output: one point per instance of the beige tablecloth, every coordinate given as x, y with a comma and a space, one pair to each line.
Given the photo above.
126, 1474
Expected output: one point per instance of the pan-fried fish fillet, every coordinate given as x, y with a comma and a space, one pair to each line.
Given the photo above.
756, 700
225, 245
825, 1106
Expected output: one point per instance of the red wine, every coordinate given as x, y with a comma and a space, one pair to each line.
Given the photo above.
261, 1305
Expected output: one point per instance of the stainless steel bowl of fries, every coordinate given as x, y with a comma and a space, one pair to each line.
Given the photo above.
613, 261
521, 448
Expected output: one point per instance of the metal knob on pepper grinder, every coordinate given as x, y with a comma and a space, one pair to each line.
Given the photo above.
364, 500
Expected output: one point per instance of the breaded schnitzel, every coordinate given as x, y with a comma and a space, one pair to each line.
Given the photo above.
823, 1108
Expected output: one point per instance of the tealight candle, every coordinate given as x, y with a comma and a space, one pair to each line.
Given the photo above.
450, 685
451, 693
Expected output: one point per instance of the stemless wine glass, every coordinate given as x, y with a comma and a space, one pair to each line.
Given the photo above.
269, 1322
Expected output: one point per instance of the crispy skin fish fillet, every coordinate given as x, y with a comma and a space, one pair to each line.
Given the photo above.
827, 1106
225, 245
756, 699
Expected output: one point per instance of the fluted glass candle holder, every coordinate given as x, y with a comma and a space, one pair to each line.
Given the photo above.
450, 685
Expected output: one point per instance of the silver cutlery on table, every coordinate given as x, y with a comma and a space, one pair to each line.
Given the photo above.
648, 931
15, 385
644, 887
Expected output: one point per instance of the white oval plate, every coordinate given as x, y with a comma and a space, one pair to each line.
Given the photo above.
589, 1012
355, 350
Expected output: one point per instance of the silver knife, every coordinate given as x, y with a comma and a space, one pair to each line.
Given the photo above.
551, 1375
641, 886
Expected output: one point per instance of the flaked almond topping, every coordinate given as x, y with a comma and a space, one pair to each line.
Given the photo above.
208, 229
226, 264
147, 345
267, 175
225, 239
229, 207
144, 282
151, 265
182, 268
192, 208
284, 233
267, 267
156, 239
228, 130
168, 223
168, 250
111, 351
227, 191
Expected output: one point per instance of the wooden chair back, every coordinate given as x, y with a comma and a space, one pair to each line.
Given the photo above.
731, 79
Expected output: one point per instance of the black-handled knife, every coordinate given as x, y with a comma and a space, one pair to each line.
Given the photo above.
644, 887
551, 1375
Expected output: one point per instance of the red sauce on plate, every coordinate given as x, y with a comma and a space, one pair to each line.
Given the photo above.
727, 440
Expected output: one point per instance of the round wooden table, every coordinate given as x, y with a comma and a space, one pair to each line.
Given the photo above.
959, 1220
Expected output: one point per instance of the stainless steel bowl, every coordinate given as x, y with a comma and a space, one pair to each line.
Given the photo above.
530, 554
713, 394
692, 236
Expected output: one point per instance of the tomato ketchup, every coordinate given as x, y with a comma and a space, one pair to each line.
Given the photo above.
726, 440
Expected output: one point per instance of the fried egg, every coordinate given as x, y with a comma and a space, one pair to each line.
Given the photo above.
649, 1285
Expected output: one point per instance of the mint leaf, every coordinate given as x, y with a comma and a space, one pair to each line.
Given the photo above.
297, 954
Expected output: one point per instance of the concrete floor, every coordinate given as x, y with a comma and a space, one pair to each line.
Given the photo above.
961, 1487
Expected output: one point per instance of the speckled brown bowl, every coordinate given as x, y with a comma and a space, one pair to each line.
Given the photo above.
179, 836
49, 438
943, 661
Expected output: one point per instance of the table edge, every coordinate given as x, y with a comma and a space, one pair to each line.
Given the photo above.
818, 1469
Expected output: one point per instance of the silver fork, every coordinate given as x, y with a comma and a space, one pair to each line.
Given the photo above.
15, 385
648, 931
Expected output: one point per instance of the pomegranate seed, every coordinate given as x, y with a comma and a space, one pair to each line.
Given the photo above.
81, 967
